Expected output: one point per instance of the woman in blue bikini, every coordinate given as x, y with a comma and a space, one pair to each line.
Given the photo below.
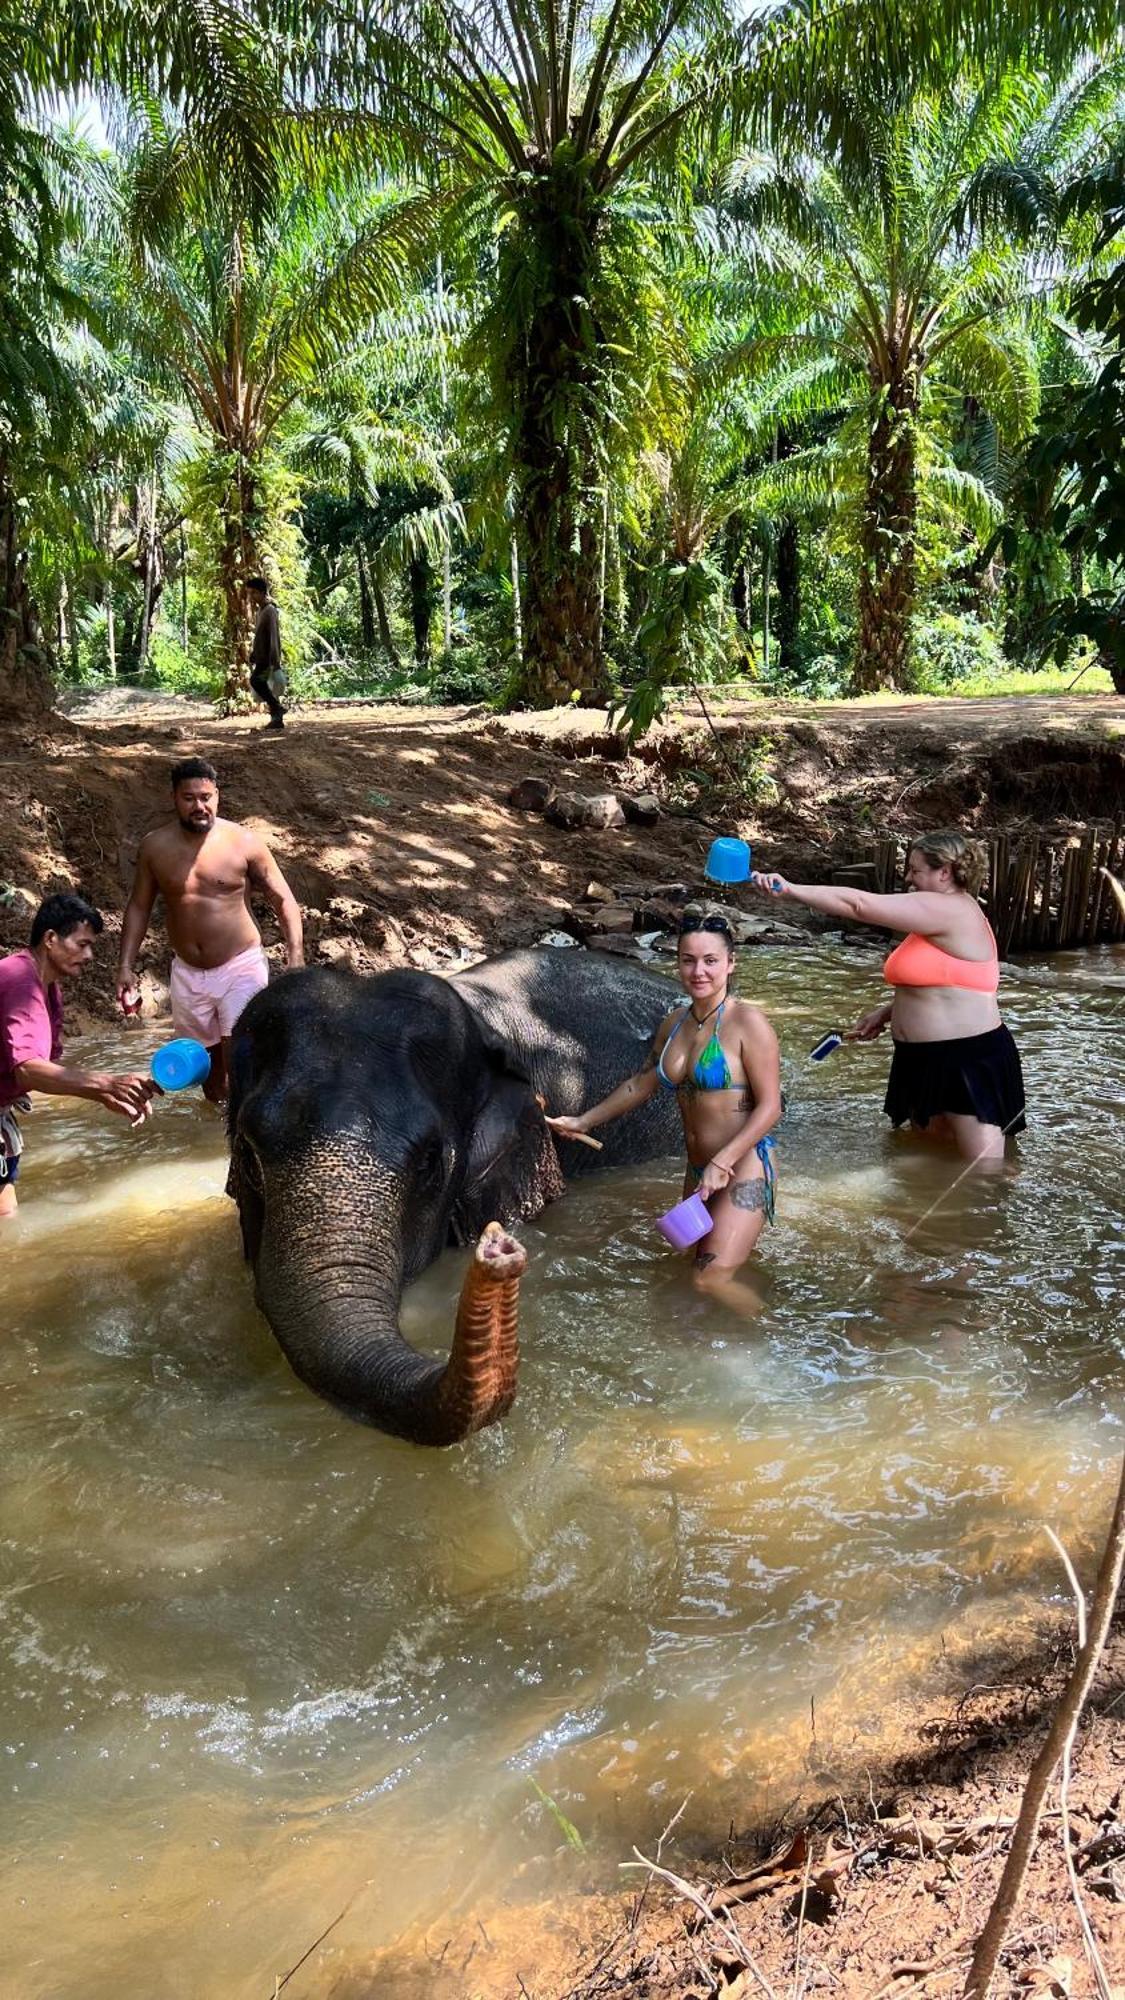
720, 1055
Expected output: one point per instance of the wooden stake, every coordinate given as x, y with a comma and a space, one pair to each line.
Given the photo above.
1045, 902
1060, 1734
1097, 890
1085, 877
1066, 895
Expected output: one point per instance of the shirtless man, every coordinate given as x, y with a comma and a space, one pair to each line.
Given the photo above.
204, 867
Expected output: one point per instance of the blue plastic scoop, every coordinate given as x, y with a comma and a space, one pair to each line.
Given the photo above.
728, 861
180, 1064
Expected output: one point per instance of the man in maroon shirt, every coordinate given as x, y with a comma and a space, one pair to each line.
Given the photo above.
61, 943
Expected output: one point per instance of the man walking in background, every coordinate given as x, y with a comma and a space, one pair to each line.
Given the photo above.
205, 867
265, 652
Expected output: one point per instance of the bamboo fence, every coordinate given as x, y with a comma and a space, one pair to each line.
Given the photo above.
1042, 893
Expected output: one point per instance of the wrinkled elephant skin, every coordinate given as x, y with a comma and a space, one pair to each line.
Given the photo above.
375, 1120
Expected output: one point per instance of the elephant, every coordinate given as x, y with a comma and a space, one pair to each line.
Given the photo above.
375, 1119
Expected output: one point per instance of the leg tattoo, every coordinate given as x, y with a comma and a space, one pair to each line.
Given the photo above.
751, 1195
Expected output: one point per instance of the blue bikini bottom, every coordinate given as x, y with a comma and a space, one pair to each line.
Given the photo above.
764, 1150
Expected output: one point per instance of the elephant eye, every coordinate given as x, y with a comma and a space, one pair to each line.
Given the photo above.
432, 1162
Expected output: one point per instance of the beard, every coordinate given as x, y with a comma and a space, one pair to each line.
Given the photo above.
201, 822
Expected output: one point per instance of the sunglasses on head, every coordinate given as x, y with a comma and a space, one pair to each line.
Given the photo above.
719, 925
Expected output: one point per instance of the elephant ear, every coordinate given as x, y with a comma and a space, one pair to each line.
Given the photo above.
513, 1168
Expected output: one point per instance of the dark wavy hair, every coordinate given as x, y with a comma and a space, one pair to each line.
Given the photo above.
193, 767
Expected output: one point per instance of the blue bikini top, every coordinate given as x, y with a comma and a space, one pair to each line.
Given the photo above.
712, 1070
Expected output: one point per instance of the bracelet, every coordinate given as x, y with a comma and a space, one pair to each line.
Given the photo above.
723, 1168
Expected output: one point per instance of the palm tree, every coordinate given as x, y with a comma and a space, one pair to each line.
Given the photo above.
539, 121
1074, 469
549, 128
212, 59
915, 285
703, 475
36, 395
257, 330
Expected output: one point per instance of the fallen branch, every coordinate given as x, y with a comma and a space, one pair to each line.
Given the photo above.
672, 1823
1090, 1942
1060, 1737
915, 1969
280, 1983
692, 1896
801, 1927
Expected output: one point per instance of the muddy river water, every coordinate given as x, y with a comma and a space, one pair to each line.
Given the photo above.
256, 1661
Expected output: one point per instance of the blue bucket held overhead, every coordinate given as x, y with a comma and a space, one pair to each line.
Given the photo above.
728, 861
180, 1064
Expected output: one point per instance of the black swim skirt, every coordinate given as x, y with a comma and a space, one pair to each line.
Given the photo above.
978, 1076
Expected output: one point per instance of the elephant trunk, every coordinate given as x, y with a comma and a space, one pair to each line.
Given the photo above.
339, 1328
478, 1384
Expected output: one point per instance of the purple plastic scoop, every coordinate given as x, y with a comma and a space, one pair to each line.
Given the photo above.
686, 1223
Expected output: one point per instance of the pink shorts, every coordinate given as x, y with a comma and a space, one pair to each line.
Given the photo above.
207, 1000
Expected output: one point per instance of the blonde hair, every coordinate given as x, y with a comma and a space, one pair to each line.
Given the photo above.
965, 859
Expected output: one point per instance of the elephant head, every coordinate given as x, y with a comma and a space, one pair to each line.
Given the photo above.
372, 1121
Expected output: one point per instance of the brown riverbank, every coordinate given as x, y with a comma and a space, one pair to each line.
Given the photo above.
894, 1853
394, 828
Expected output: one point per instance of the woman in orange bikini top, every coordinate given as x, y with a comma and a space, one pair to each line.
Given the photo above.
917, 961
956, 1070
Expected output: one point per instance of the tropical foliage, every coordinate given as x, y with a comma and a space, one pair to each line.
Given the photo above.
548, 350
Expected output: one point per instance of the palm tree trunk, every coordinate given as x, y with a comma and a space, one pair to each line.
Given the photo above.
562, 610
560, 514
366, 608
888, 570
110, 609
787, 623
25, 676
150, 561
446, 568
517, 599
239, 559
238, 622
68, 629
386, 636
420, 586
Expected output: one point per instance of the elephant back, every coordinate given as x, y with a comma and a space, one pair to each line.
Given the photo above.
579, 1022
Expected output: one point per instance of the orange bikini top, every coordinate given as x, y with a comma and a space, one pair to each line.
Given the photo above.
917, 961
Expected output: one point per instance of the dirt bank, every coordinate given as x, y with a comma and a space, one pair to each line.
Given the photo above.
896, 1860
393, 827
